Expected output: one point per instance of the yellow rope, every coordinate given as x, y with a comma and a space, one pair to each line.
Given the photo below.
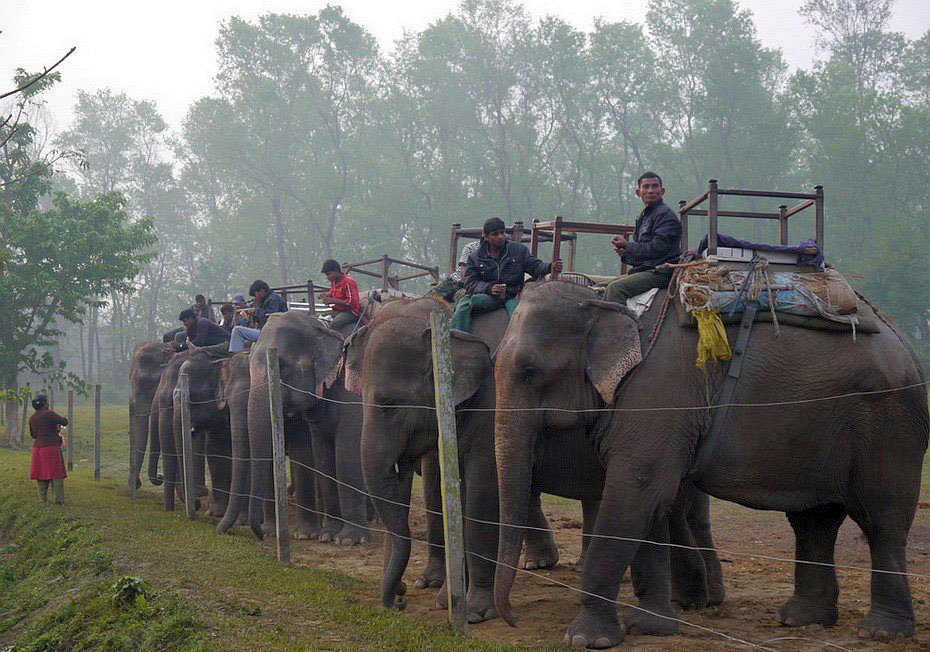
712, 338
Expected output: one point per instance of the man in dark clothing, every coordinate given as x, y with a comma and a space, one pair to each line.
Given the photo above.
656, 240
230, 318
200, 332
494, 275
202, 309
266, 303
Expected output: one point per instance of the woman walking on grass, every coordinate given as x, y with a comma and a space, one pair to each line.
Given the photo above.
47, 463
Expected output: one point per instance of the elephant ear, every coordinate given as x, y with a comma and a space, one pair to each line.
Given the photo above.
471, 365
613, 346
327, 361
354, 356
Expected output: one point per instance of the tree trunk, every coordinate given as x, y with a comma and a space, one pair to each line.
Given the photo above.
279, 235
11, 436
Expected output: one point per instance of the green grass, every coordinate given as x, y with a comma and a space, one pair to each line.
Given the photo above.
58, 567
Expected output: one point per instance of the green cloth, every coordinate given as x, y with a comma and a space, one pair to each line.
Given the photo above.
630, 285
475, 304
343, 318
217, 351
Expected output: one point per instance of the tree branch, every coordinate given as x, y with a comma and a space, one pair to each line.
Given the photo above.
44, 73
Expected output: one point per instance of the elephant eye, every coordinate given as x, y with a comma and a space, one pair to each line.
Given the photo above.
530, 372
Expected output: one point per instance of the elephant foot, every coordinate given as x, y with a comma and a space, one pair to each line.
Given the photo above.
433, 575
661, 622
594, 630
690, 598
200, 491
329, 532
307, 531
268, 528
216, 509
243, 518
480, 606
716, 594
442, 598
884, 627
540, 551
352, 535
800, 611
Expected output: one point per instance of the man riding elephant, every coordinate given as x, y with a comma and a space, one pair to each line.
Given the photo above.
656, 241
495, 274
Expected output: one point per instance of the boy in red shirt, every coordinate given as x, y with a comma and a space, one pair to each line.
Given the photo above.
342, 296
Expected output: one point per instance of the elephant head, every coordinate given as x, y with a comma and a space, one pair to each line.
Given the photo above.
564, 351
389, 364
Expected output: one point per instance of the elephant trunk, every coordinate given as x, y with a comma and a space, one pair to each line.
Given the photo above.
390, 490
154, 445
260, 453
515, 438
166, 437
238, 485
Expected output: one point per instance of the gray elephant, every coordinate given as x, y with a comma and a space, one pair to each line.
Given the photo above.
817, 461
389, 364
144, 376
321, 434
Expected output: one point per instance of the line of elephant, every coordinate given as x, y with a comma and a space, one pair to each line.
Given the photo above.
540, 408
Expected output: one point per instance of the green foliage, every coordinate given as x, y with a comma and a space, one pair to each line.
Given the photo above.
127, 590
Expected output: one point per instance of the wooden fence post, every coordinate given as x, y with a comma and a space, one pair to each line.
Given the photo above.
96, 432
71, 430
282, 532
449, 469
187, 444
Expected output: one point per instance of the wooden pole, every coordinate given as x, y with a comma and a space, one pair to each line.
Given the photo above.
311, 297
449, 469
96, 432
782, 225
712, 217
187, 443
534, 238
556, 244
454, 248
71, 430
683, 218
277, 453
818, 216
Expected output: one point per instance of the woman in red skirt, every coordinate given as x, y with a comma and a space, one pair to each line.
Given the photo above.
47, 463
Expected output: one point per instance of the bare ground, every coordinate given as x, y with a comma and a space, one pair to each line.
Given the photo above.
755, 587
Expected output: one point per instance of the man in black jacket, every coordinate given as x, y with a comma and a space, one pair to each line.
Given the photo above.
656, 240
494, 275
201, 332
266, 303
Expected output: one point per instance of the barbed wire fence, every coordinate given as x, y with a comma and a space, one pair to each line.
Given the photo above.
453, 519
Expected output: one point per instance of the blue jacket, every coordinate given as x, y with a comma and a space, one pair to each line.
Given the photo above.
656, 240
515, 260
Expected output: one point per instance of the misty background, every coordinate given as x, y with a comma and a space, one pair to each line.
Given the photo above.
257, 146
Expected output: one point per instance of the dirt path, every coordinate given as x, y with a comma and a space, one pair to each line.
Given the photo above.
755, 587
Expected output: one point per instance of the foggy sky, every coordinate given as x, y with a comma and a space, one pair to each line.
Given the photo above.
164, 50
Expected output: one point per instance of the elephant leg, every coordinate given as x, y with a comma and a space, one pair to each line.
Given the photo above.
154, 448
304, 480
219, 451
636, 490
651, 575
539, 549
138, 436
351, 488
480, 502
815, 589
434, 574
199, 444
237, 508
689, 577
396, 545
891, 613
324, 457
699, 523
171, 460
589, 509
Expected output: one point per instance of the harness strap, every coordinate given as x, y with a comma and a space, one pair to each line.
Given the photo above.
725, 395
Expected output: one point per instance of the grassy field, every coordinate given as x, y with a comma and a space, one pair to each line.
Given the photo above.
58, 567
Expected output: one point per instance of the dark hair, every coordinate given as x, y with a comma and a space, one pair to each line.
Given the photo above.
258, 285
39, 401
493, 224
187, 314
330, 265
199, 298
648, 174
226, 308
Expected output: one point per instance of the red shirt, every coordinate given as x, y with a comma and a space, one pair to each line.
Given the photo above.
347, 290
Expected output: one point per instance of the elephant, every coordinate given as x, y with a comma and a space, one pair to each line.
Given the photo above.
389, 364
852, 453
161, 424
321, 430
210, 423
144, 375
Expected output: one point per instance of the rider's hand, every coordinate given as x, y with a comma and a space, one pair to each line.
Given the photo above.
498, 289
556, 266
